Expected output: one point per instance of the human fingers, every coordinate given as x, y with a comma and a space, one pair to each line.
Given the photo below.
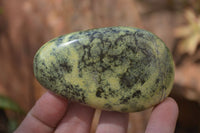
45, 115
163, 118
78, 119
112, 122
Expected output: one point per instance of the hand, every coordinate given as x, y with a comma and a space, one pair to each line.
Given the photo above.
53, 114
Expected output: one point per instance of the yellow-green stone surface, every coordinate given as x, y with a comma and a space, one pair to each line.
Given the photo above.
117, 68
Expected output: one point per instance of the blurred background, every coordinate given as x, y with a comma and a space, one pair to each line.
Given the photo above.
25, 25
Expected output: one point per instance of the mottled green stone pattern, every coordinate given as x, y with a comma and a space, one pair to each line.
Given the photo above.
116, 68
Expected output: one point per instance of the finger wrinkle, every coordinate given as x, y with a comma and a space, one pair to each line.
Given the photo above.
50, 109
77, 119
42, 122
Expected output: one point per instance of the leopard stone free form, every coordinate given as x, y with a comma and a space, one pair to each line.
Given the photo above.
117, 68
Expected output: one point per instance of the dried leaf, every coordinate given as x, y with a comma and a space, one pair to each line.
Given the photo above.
182, 31
189, 45
190, 33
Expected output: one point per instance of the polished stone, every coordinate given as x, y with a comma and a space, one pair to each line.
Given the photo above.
116, 68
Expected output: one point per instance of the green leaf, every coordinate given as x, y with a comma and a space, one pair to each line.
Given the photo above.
7, 103
12, 125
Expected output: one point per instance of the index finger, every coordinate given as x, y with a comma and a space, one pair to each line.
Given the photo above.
45, 115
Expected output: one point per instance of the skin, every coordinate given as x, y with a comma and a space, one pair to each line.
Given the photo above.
54, 114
